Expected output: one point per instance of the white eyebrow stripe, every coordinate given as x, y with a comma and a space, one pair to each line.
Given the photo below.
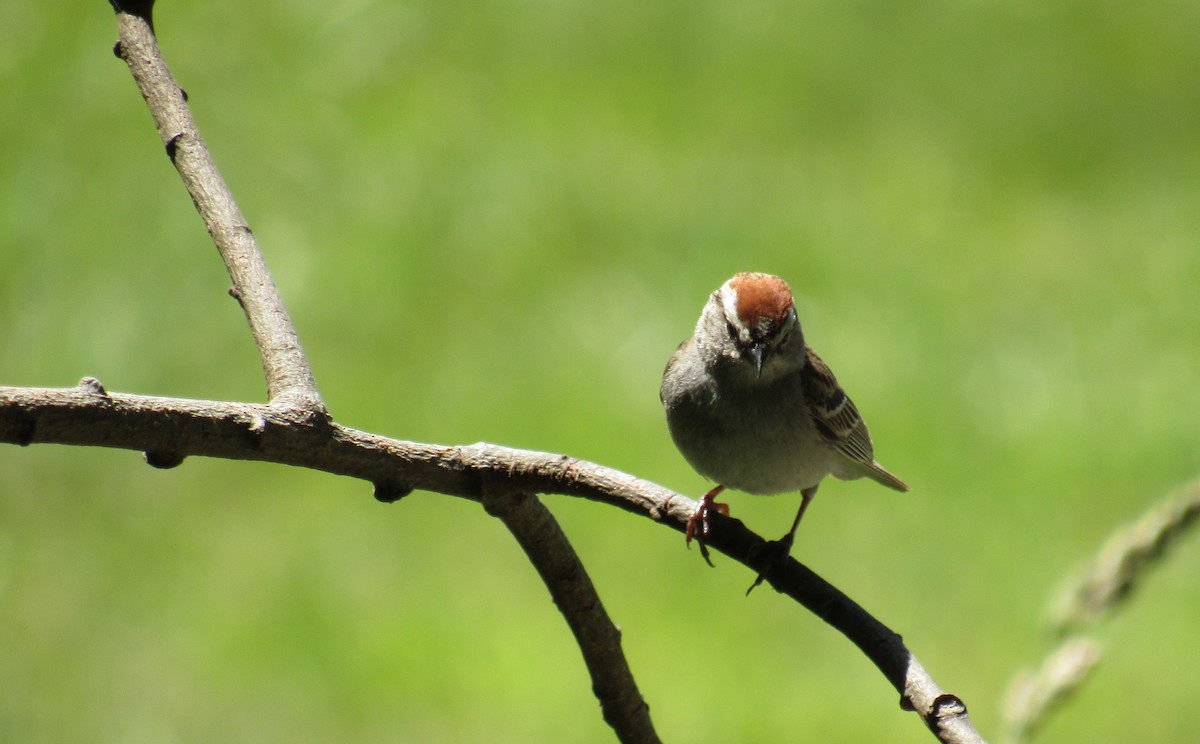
729, 302
730, 299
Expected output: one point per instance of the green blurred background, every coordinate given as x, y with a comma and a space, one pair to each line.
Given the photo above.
494, 221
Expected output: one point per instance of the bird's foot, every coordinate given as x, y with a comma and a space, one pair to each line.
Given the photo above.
770, 555
698, 525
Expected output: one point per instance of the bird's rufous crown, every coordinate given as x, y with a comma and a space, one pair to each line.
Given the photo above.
761, 299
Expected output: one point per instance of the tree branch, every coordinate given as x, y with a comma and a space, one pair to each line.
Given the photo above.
1099, 587
170, 429
539, 534
1123, 560
289, 377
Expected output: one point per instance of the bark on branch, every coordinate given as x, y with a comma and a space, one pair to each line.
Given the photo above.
170, 429
539, 535
290, 381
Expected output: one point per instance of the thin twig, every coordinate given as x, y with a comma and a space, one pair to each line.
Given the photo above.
1033, 696
289, 377
1086, 598
1123, 560
543, 541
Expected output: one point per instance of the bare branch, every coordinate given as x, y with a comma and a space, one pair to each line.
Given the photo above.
1095, 590
551, 553
1124, 558
945, 714
289, 377
1032, 696
176, 428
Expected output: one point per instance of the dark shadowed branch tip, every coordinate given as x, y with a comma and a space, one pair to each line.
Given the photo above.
163, 460
143, 9
389, 492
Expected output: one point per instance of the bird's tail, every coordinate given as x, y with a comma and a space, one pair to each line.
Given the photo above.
880, 475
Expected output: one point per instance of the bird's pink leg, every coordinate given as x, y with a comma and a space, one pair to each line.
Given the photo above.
697, 525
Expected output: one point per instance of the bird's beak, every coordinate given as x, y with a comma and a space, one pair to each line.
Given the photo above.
758, 352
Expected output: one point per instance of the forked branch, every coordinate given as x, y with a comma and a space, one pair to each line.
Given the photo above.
90, 415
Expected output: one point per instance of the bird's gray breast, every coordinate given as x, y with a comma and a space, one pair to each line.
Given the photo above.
756, 437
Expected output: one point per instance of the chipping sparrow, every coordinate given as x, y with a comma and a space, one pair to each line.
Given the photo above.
752, 407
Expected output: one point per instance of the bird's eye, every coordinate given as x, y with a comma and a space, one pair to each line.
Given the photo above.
733, 332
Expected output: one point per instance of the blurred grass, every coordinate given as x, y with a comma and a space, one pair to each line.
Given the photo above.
494, 221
